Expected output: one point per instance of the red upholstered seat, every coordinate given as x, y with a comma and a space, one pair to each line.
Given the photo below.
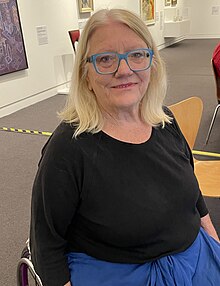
74, 36
216, 59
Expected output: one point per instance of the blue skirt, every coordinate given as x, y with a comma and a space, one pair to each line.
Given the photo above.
199, 265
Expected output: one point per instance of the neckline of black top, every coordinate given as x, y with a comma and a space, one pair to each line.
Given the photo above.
117, 141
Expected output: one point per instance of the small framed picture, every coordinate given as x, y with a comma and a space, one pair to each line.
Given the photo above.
147, 8
167, 2
85, 6
173, 2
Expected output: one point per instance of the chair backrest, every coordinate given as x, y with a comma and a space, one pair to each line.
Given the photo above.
188, 114
74, 37
217, 81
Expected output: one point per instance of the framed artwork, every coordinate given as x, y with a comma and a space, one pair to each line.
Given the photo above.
167, 2
85, 6
12, 50
173, 2
148, 11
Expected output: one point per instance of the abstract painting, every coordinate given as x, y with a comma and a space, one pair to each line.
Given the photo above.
148, 11
12, 51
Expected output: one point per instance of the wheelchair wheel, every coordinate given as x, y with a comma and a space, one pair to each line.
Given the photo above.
26, 275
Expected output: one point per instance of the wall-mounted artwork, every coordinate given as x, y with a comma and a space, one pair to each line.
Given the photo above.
167, 2
12, 50
148, 11
85, 6
173, 2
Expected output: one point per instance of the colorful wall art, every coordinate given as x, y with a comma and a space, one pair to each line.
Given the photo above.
12, 51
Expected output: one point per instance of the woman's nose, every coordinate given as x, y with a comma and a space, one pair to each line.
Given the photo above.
123, 69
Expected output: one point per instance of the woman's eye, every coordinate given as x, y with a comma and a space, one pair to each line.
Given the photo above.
137, 55
105, 59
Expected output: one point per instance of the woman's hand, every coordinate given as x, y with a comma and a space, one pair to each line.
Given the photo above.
206, 223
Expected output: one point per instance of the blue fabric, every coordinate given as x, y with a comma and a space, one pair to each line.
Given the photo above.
199, 265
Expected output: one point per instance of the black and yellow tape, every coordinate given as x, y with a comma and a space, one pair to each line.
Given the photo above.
46, 133
203, 153
27, 131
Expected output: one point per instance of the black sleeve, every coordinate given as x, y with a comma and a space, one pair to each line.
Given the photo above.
201, 205
55, 198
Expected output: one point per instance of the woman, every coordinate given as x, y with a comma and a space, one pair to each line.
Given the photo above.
115, 200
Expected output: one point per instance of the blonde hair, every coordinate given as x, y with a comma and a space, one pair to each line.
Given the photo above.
82, 109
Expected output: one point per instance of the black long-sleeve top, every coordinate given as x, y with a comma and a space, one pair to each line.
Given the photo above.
116, 201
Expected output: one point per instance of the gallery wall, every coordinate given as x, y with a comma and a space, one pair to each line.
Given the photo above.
45, 71
205, 18
50, 63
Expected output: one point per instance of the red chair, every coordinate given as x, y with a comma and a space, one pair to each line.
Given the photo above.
74, 37
217, 81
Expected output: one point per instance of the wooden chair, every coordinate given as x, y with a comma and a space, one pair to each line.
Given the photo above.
217, 82
188, 114
74, 37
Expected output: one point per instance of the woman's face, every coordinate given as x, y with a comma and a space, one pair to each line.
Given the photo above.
124, 89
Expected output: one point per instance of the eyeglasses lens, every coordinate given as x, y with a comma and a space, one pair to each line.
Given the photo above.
107, 63
139, 60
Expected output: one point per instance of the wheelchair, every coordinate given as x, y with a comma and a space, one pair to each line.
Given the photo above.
26, 275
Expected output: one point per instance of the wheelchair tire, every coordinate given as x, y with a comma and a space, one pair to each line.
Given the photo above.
25, 270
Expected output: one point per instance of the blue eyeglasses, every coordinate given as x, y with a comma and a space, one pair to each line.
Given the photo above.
108, 63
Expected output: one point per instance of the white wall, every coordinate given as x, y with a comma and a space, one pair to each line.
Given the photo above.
203, 23
45, 62
49, 64
134, 5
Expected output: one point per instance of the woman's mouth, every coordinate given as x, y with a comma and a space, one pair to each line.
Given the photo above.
124, 85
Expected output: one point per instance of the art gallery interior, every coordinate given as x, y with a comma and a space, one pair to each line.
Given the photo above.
50, 63
185, 34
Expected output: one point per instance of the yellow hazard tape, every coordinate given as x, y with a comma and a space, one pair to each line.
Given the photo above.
203, 153
19, 130
46, 133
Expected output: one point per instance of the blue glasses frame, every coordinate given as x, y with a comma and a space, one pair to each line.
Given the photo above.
92, 59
